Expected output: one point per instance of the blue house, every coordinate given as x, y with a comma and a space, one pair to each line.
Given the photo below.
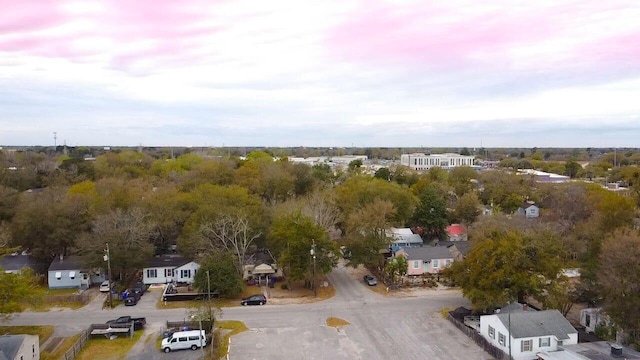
71, 272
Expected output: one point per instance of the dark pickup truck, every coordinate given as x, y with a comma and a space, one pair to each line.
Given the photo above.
138, 323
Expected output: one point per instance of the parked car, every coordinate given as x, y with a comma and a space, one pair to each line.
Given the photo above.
254, 300
370, 280
139, 288
131, 299
138, 323
192, 339
104, 287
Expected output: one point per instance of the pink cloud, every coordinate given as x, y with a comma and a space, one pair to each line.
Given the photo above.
166, 28
453, 37
432, 36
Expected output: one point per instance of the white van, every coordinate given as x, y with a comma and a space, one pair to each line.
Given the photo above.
179, 340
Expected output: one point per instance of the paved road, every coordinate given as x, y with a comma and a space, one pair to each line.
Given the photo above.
380, 327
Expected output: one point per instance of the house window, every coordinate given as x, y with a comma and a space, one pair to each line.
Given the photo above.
185, 274
416, 264
59, 275
526, 345
435, 263
544, 342
559, 342
501, 339
168, 272
492, 332
152, 273
72, 275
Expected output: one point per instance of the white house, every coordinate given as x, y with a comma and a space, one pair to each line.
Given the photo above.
590, 318
420, 161
404, 237
527, 333
529, 209
19, 347
167, 268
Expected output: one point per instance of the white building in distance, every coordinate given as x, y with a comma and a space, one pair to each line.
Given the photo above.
419, 161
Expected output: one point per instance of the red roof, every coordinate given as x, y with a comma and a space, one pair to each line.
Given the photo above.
455, 229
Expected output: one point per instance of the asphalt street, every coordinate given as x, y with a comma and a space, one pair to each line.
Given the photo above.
380, 327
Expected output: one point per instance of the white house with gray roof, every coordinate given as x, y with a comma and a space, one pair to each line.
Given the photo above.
19, 347
166, 268
528, 332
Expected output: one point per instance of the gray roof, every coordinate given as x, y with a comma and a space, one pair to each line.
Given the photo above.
167, 260
72, 262
527, 324
17, 262
601, 350
407, 239
462, 246
427, 253
9, 345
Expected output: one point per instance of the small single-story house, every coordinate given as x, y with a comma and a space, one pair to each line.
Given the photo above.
590, 318
527, 333
167, 268
529, 209
15, 262
456, 232
19, 347
426, 259
71, 272
404, 237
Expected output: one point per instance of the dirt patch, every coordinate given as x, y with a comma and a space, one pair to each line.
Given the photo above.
299, 294
337, 322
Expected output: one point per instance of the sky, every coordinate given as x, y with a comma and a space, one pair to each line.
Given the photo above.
401, 73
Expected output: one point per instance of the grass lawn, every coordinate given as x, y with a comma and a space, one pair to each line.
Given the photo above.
62, 348
44, 332
105, 349
226, 329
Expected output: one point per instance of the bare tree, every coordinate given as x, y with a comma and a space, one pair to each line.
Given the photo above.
321, 207
231, 232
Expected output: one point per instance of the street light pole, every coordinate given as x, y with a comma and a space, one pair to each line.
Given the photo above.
313, 255
200, 333
108, 259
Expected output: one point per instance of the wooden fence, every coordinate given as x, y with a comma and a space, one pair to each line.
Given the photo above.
83, 298
481, 341
77, 346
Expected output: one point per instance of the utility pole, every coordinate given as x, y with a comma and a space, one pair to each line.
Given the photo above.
209, 296
313, 255
509, 316
107, 258
55, 141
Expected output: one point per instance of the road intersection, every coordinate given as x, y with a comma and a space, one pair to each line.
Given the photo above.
381, 327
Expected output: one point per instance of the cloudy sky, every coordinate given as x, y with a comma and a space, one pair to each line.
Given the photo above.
320, 73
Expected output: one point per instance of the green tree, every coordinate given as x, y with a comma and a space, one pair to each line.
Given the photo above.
467, 208
355, 165
431, 213
366, 233
396, 268
292, 237
383, 174
572, 168
619, 278
223, 276
16, 290
460, 179
507, 265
